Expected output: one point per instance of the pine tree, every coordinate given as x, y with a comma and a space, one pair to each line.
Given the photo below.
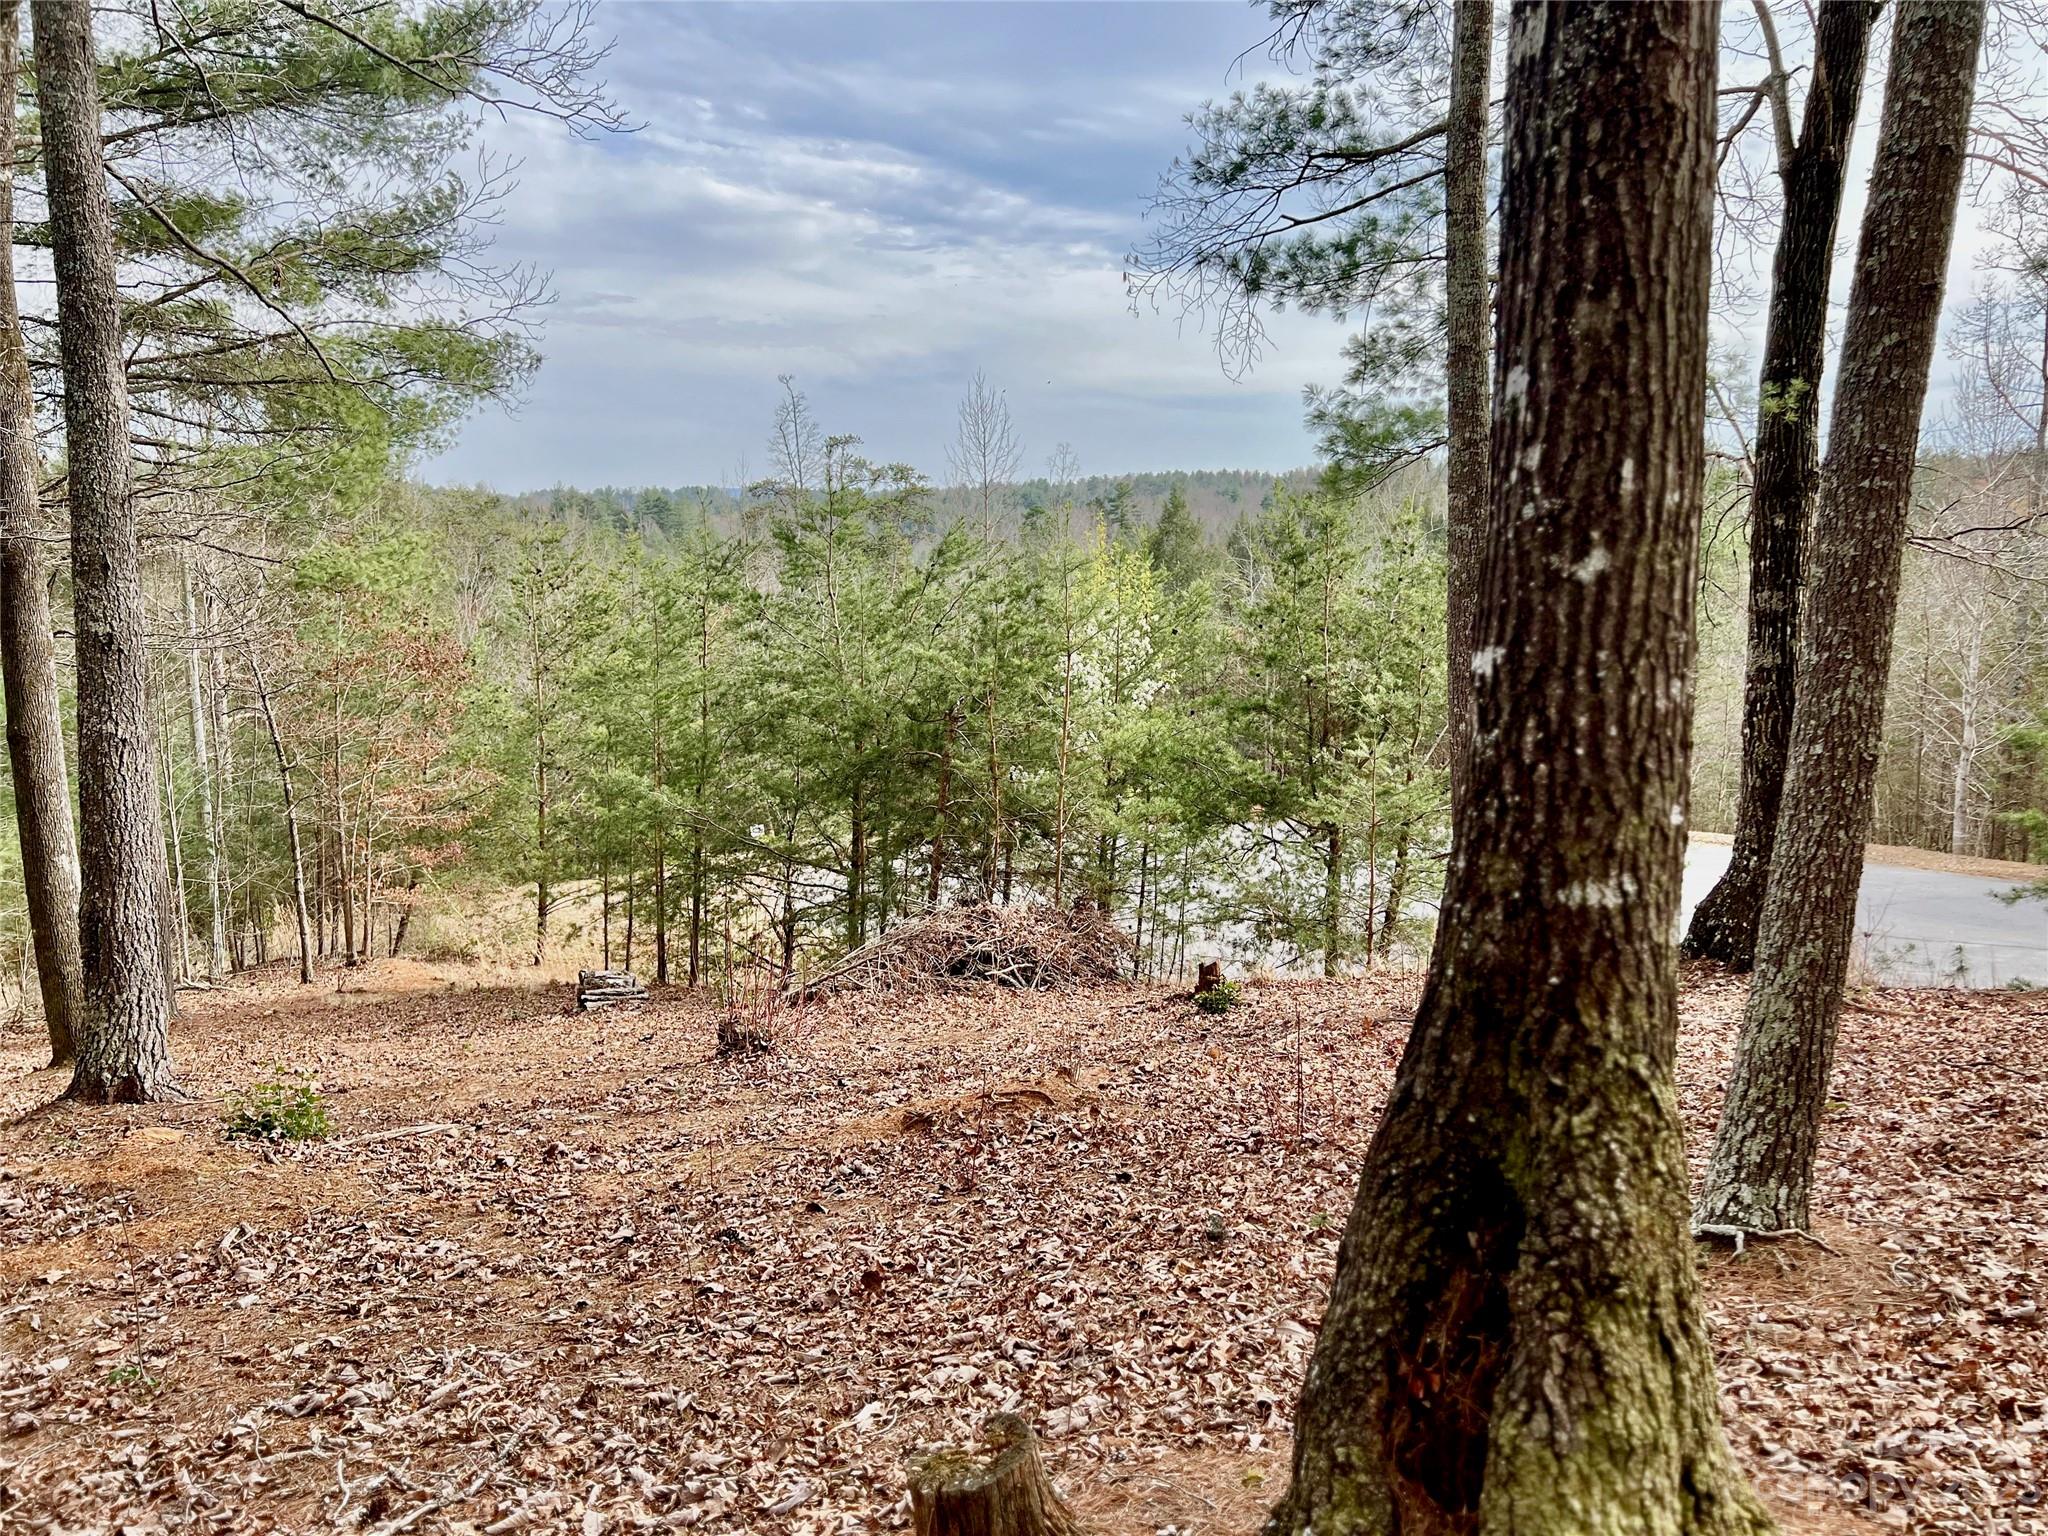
123, 1050
1514, 1339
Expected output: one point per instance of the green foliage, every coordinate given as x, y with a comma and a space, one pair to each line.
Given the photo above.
1325, 195
1221, 998
759, 728
277, 1108
304, 210
1175, 545
1336, 722
132, 1378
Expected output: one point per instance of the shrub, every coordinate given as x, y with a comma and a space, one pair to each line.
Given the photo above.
1220, 998
278, 1108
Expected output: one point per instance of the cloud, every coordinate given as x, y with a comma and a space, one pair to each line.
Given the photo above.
877, 200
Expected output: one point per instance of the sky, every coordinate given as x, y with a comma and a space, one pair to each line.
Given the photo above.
877, 200
880, 199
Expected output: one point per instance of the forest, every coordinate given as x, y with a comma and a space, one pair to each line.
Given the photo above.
1006, 994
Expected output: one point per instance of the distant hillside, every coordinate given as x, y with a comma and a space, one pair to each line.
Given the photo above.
1216, 497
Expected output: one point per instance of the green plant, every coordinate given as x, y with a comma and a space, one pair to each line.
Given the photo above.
278, 1108
1220, 998
132, 1377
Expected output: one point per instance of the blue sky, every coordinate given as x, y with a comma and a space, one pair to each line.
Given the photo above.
877, 199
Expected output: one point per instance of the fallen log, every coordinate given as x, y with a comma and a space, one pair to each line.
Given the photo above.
957, 1492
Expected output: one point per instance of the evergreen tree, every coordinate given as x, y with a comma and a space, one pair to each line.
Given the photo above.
1175, 545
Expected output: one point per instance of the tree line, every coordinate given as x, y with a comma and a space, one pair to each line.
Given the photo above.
771, 727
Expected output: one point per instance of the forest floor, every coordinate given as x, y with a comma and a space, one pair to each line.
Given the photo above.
557, 1272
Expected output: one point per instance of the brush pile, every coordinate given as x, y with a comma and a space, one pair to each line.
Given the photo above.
1043, 947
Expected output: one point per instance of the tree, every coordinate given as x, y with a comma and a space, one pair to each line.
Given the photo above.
28, 657
1340, 706
534, 716
301, 922
1762, 1172
1467, 332
1363, 190
308, 290
1787, 447
1175, 545
985, 452
1514, 1340
123, 1047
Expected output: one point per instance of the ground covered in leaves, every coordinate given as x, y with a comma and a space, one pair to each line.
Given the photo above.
564, 1273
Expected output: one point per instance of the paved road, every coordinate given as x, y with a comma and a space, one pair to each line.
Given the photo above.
1919, 927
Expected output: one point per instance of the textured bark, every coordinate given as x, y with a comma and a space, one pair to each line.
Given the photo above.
1762, 1172
1787, 447
1005, 1493
28, 653
1514, 1341
123, 1046
1468, 332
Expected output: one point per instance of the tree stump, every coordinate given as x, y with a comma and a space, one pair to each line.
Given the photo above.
1208, 976
957, 1492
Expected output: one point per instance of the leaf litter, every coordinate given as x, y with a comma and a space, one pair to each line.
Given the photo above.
578, 1273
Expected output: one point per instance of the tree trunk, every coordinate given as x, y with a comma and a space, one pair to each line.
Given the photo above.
541, 898
1787, 445
661, 908
935, 881
28, 654
1397, 893
1762, 1173
696, 907
123, 1046
857, 869
1333, 894
202, 761
176, 925
291, 822
1467, 334
412, 886
224, 757
1969, 697
995, 802
660, 863
1514, 1340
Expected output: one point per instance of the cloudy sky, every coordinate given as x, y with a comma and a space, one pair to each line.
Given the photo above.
877, 199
